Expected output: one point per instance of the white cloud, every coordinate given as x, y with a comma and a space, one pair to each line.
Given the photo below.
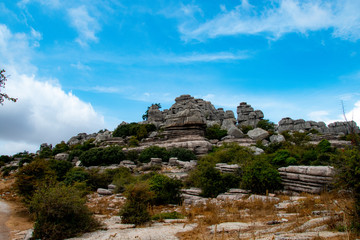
86, 25
283, 17
43, 112
80, 66
211, 57
319, 115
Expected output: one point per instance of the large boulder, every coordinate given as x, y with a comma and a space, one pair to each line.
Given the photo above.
277, 138
258, 134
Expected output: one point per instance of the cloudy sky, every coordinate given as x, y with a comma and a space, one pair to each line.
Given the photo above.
86, 65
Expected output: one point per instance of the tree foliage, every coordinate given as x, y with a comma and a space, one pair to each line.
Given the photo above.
4, 96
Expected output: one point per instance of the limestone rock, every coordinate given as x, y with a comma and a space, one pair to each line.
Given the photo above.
258, 134
103, 191
227, 168
277, 138
247, 116
62, 156
256, 150
310, 179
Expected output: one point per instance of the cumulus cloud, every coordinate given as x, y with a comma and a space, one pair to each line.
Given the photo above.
284, 16
86, 25
354, 114
43, 112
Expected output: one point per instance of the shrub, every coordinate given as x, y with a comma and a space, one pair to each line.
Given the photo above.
140, 131
324, 146
76, 175
229, 153
33, 176
166, 190
75, 153
102, 156
46, 152
260, 176
60, 148
132, 155
60, 168
348, 177
97, 179
246, 128
215, 132
266, 125
211, 181
122, 178
5, 159
134, 211
153, 152
133, 142
182, 154
6, 170
60, 212
280, 158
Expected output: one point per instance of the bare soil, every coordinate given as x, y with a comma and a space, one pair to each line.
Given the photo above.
15, 218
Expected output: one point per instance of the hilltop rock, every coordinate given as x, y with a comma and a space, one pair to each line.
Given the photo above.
247, 116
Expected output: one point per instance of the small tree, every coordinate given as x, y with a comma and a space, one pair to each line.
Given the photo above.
4, 96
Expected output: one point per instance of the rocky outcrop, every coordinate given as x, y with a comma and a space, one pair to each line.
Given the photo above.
343, 127
288, 124
191, 196
247, 116
310, 179
187, 166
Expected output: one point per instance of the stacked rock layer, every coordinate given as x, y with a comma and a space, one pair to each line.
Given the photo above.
309, 179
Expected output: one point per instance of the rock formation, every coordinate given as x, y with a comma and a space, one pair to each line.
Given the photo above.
247, 116
310, 179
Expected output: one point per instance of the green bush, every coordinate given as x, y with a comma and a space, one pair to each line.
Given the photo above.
182, 154
266, 125
280, 158
60, 168
97, 179
76, 175
60, 212
246, 128
215, 132
140, 131
135, 209
211, 181
133, 142
153, 152
60, 148
260, 176
102, 156
348, 177
74, 153
122, 178
132, 155
46, 152
324, 146
166, 190
33, 176
88, 144
229, 153
167, 215
5, 159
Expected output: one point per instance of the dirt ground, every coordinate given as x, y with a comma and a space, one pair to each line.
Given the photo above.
17, 219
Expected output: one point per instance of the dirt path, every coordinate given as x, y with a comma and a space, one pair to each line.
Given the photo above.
4, 216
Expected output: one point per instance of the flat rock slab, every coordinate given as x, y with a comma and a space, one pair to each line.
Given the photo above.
158, 231
233, 226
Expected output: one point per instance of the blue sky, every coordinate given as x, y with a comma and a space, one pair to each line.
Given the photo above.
86, 65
